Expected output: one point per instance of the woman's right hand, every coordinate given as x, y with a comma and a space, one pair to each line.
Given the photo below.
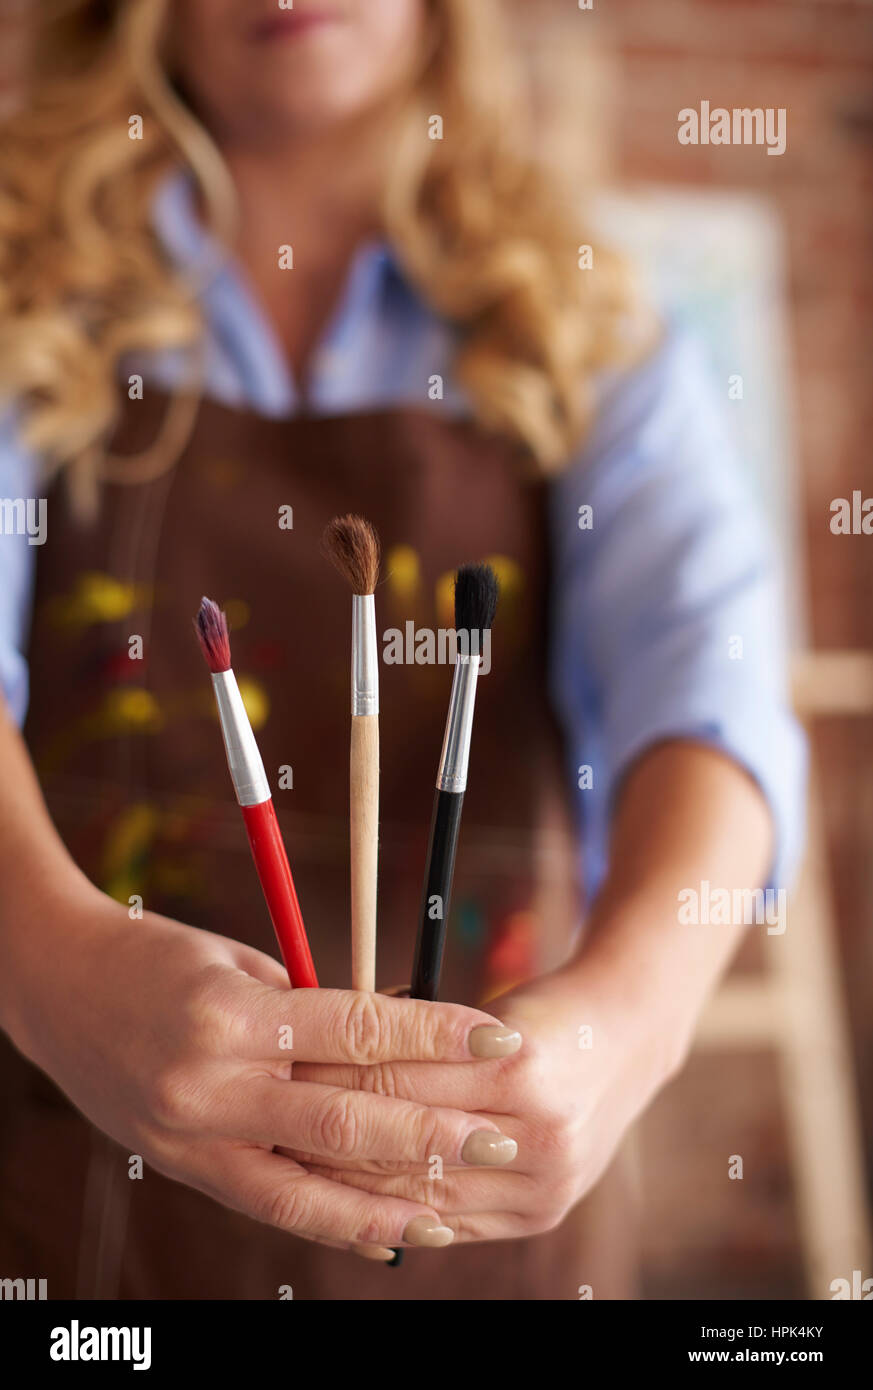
179, 1044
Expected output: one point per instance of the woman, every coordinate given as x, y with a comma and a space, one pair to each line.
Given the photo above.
255, 259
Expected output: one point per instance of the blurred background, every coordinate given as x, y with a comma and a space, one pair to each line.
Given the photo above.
768, 259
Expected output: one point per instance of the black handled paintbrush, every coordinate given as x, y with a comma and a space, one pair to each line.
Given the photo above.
475, 605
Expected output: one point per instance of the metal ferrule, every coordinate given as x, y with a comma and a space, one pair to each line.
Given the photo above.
455, 758
243, 758
365, 658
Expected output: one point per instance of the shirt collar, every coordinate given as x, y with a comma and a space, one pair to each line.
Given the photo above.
194, 250
246, 364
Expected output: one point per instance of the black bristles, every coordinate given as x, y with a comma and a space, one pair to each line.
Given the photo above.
476, 591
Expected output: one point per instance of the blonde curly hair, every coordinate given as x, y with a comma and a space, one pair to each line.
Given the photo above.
481, 229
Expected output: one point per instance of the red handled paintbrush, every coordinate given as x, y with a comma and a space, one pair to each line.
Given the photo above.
253, 794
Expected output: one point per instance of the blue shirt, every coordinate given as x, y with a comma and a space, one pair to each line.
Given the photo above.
666, 620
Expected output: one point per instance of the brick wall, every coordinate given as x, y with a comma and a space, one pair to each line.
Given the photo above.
815, 58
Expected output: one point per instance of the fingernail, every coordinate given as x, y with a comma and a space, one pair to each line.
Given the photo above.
485, 1146
397, 1260
381, 1253
492, 1040
426, 1230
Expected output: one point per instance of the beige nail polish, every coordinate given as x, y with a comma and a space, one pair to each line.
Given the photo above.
426, 1230
492, 1040
485, 1146
373, 1252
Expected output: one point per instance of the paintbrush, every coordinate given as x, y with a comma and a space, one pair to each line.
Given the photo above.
253, 794
475, 605
353, 546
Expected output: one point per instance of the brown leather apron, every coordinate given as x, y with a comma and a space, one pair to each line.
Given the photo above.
130, 759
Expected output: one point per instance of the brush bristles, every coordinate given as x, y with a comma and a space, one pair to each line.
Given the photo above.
353, 546
476, 592
211, 628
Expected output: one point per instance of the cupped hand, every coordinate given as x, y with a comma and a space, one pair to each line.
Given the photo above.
180, 1045
566, 1098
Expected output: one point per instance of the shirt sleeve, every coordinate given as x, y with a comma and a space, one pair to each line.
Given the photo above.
18, 552
667, 618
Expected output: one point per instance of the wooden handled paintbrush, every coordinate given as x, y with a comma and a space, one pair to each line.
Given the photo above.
353, 546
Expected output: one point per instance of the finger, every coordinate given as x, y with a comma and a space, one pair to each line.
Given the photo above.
488, 1225
334, 1025
486, 1087
509, 1127
457, 1192
381, 1253
350, 1125
266, 971
281, 1194
251, 961
208, 1177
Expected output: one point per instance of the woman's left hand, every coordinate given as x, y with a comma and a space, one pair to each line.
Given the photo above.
582, 1076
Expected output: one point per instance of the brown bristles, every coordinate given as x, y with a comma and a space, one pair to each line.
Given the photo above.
211, 628
353, 546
